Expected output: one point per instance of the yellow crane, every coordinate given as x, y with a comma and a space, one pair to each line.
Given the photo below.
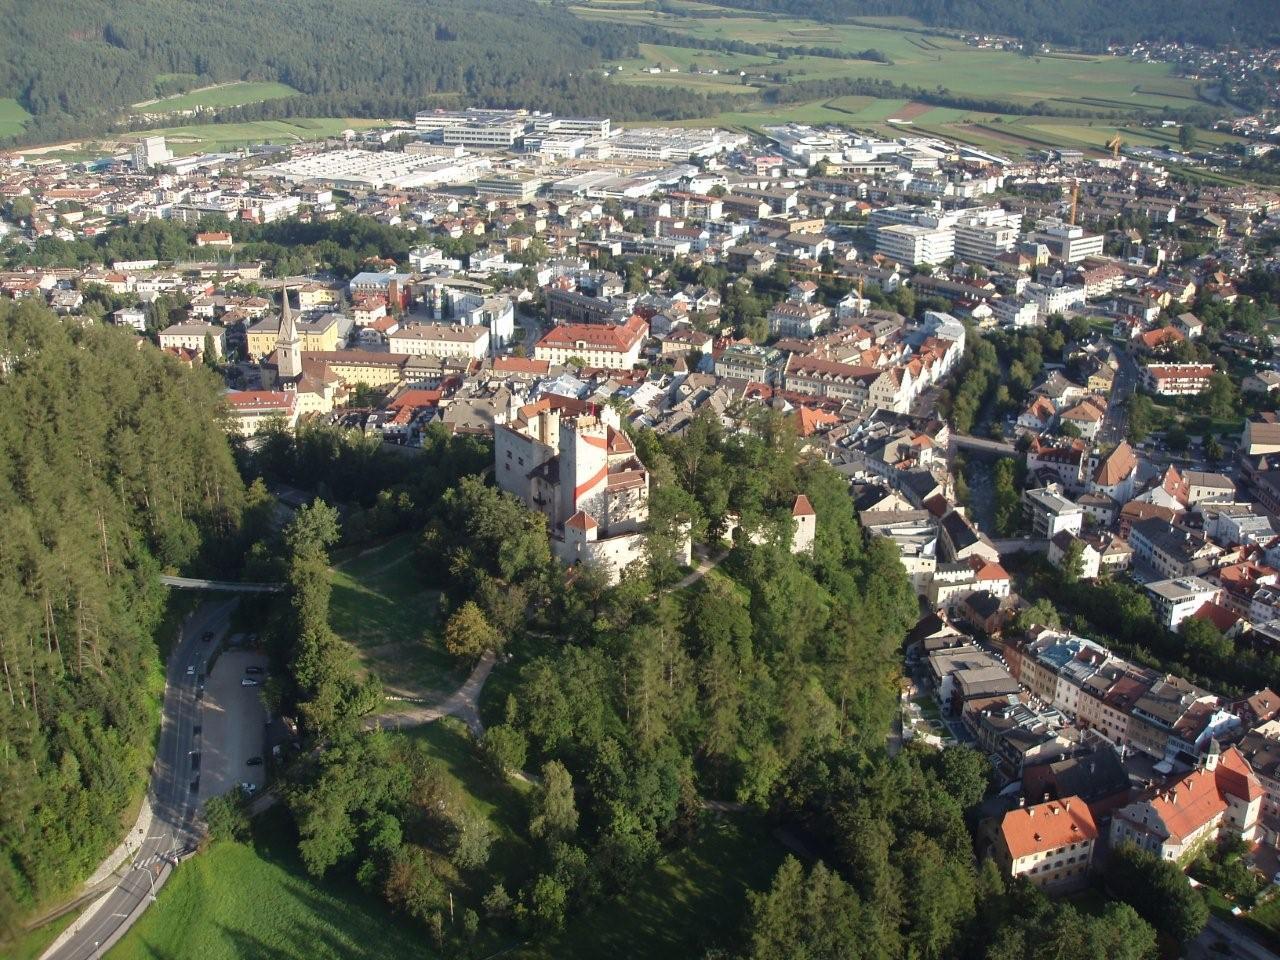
1114, 145
1075, 201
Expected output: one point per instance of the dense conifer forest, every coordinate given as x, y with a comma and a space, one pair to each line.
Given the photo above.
375, 58
112, 466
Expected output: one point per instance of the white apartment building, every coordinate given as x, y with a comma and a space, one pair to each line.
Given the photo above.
1068, 243
191, 336
1016, 312
150, 152
914, 245
1177, 599
980, 243
1051, 300
441, 340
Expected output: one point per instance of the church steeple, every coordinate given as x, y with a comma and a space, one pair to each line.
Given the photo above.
288, 343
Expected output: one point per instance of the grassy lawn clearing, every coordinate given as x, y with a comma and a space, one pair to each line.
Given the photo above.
256, 902
12, 118
31, 945
222, 95
1265, 921
214, 137
379, 606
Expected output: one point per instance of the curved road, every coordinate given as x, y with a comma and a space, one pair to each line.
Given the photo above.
173, 828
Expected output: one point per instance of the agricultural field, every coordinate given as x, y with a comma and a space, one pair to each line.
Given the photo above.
221, 95
929, 60
213, 137
380, 607
1061, 81
12, 118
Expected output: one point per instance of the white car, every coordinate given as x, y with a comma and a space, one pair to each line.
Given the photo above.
248, 682
191, 671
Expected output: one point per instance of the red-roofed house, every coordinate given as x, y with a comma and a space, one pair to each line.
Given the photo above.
1223, 797
250, 409
595, 344
1050, 844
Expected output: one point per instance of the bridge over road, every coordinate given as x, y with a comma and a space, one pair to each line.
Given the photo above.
962, 441
221, 586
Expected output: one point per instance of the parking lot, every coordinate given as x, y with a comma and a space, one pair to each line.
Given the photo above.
233, 722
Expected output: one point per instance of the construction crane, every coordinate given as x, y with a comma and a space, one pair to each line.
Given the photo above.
1114, 145
1075, 201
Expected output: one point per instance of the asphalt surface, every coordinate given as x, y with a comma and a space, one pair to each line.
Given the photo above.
233, 725
173, 829
1115, 424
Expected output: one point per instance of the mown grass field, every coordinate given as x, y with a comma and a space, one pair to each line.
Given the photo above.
213, 137
1057, 80
223, 95
380, 606
12, 117
255, 901
919, 59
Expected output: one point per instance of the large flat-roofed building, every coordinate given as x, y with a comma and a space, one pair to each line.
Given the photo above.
1177, 599
441, 340
911, 244
982, 243
487, 133
673, 143
518, 186
593, 127
370, 170
1068, 243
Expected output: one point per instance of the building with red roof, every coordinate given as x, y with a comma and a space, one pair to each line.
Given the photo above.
1049, 844
1222, 797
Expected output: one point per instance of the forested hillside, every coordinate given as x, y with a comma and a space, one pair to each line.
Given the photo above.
1088, 24
377, 57
112, 465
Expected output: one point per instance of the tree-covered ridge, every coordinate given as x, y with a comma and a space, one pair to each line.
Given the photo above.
112, 465
376, 58
1088, 24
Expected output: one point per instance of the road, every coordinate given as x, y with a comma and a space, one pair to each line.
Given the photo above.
1240, 943
1116, 422
173, 830
221, 586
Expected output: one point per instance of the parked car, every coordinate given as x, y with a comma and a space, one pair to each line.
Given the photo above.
208, 635
248, 682
191, 670
254, 761
253, 670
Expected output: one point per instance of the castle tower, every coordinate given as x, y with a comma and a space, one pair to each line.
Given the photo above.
584, 465
288, 343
